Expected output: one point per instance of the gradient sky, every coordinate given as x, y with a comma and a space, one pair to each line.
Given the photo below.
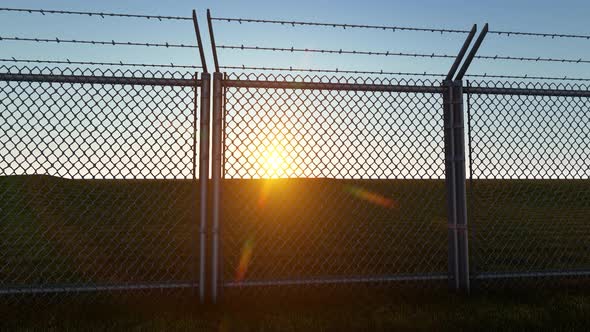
531, 16
535, 16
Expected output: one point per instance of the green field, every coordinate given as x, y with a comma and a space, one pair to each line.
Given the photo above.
58, 231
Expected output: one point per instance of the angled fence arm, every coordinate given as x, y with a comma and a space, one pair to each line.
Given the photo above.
461, 54
200, 42
212, 39
472, 53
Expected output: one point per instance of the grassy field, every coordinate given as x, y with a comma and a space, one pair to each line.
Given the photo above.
108, 231
57, 231
384, 311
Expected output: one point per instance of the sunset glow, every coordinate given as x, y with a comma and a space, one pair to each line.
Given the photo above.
273, 163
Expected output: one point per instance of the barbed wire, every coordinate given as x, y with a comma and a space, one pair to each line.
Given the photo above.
98, 14
507, 33
389, 53
537, 34
96, 42
92, 63
338, 71
339, 25
341, 51
397, 28
537, 59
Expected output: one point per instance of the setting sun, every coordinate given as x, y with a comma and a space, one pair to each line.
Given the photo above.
274, 164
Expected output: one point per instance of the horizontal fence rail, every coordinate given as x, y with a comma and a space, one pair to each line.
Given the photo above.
331, 86
74, 288
113, 80
549, 92
333, 281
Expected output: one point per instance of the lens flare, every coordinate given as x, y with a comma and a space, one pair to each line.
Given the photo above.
372, 197
264, 193
245, 258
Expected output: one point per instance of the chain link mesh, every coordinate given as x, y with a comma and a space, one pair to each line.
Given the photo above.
97, 184
530, 188
332, 184
337, 183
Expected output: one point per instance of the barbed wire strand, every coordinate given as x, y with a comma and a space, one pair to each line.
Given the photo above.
389, 53
341, 51
506, 33
98, 14
382, 72
537, 34
96, 42
531, 59
92, 63
339, 25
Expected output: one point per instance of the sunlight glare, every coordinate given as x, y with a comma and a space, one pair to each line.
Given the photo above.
274, 164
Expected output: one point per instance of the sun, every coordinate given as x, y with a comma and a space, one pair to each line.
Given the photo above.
274, 163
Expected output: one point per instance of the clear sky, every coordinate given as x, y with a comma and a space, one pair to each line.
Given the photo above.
569, 17
536, 16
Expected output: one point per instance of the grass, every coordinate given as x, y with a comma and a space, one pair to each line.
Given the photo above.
402, 311
58, 231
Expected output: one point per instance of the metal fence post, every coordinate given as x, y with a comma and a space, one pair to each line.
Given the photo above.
216, 182
203, 181
461, 180
455, 179
449, 184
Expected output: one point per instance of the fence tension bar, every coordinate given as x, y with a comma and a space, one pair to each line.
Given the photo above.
461, 54
199, 42
212, 39
472, 53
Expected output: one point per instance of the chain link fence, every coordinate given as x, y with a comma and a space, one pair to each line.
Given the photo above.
331, 179
98, 183
530, 191
323, 180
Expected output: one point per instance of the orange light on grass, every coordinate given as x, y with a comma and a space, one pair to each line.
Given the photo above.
264, 193
245, 258
372, 197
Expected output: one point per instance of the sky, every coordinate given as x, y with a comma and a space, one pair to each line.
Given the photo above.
532, 16
535, 16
